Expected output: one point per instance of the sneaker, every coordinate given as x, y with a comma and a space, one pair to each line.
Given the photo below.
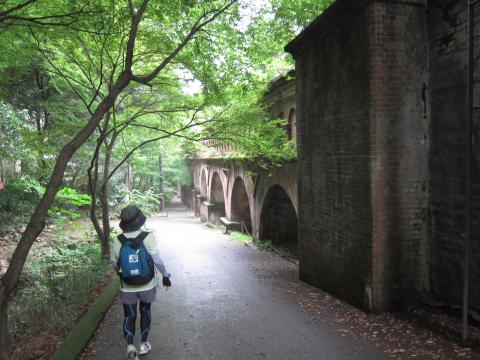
131, 352
145, 347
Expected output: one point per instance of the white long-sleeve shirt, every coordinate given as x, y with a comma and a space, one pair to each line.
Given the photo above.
152, 248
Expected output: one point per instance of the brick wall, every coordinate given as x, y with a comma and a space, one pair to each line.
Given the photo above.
398, 64
447, 92
280, 102
360, 75
333, 139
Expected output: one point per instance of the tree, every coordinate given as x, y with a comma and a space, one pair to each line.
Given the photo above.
99, 62
37, 13
151, 120
141, 63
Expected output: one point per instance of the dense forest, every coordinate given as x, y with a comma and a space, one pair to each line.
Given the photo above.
102, 103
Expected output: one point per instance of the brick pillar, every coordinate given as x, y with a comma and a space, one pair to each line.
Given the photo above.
398, 49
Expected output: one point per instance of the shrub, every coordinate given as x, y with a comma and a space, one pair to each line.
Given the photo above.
56, 287
241, 237
18, 202
148, 201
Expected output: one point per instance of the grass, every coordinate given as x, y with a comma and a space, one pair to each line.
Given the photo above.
244, 238
238, 236
263, 244
241, 237
211, 226
78, 338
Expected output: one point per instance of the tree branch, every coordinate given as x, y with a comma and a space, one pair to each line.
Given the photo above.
133, 33
195, 28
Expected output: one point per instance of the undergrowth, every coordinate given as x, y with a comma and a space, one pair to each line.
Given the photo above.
55, 287
263, 244
238, 236
243, 238
18, 202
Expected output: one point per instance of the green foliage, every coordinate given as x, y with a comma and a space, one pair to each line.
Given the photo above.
72, 197
148, 201
263, 244
244, 238
241, 237
53, 77
56, 69
297, 14
17, 202
55, 287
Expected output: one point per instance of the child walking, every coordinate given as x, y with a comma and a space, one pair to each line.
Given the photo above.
135, 256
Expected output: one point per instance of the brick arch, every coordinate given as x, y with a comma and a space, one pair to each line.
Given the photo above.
278, 219
216, 196
240, 205
257, 186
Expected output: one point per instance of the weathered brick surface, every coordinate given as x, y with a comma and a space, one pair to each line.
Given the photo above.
361, 139
333, 139
381, 95
398, 118
280, 102
447, 89
186, 195
256, 181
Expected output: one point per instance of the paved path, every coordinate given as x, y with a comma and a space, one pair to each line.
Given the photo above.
221, 307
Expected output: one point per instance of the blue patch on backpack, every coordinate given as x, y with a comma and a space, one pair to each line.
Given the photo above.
134, 262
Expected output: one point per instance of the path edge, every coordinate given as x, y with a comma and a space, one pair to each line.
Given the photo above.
82, 332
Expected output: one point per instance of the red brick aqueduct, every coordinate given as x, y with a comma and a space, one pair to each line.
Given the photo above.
378, 108
265, 202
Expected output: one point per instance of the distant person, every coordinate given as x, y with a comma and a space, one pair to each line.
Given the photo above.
135, 256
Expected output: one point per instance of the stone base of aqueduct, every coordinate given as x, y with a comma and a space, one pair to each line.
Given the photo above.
264, 202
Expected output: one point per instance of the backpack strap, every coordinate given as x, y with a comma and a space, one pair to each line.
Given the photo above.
138, 240
142, 236
122, 238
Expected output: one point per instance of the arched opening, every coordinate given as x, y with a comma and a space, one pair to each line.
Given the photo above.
216, 192
217, 200
278, 220
292, 125
198, 200
240, 209
203, 184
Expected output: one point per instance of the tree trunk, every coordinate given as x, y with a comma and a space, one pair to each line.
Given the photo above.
9, 281
4, 333
37, 221
129, 179
106, 224
103, 236
92, 186
104, 199
2, 176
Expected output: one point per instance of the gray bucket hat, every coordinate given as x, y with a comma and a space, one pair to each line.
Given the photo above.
131, 219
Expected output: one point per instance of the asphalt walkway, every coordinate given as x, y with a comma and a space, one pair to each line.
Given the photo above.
222, 306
